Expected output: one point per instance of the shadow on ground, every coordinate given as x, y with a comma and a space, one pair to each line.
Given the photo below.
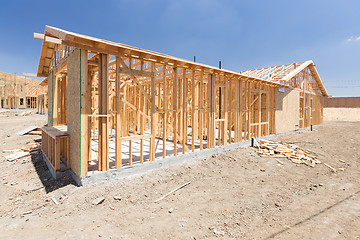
49, 183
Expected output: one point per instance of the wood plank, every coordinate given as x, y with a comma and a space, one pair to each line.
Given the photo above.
135, 137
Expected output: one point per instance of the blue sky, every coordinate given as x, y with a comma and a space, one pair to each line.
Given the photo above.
243, 34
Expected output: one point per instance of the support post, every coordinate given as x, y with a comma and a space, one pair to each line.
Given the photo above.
153, 122
118, 150
103, 111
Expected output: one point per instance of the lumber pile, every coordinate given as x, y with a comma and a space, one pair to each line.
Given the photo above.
290, 151
30, 149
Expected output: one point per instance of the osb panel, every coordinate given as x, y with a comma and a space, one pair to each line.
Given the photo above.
286, 110
73, 106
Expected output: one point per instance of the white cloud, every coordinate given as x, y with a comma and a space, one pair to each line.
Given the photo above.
353, 39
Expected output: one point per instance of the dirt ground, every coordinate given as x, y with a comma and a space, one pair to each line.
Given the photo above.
228, 197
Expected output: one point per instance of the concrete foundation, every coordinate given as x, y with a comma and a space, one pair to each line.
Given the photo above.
139, 169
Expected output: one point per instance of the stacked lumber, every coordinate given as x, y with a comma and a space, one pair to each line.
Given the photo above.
290, 151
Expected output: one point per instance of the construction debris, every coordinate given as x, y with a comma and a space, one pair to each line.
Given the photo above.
292, 152
172, 191
17, 155
332, 169
31, 147
25, 113
98, 201
279, 161
282, 150
54, 200
27, 130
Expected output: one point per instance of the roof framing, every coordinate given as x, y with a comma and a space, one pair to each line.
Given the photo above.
284, 73
71, 39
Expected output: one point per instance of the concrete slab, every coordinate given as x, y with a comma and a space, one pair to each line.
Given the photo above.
139, 169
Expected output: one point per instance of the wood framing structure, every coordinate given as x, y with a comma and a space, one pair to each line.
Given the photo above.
301, 104
19, 92
124, 105
42, 103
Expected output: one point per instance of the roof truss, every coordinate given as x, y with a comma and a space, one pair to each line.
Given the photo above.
291, 75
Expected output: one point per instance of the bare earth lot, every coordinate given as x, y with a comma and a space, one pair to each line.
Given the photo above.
228, 197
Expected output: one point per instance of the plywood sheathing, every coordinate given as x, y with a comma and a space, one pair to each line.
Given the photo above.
76, 120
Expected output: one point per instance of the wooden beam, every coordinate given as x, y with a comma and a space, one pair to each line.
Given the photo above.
103, 110
136, 72
30, 74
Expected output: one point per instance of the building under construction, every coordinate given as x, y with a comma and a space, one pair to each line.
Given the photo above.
18, 91
111, 105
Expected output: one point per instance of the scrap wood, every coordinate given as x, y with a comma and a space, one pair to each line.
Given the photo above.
34, 189
34, 132
256, 143
54, 200
273, 156
17, 155
332, 169
31, 147
11, 151
283, 150
172, 191
25, 113
279, 161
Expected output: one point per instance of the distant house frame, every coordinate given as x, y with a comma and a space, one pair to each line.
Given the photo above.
119, 105
19, 92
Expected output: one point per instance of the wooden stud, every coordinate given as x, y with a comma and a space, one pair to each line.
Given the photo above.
118, 148
165, 109
184, 111
153, 112
175, 93
103, 110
